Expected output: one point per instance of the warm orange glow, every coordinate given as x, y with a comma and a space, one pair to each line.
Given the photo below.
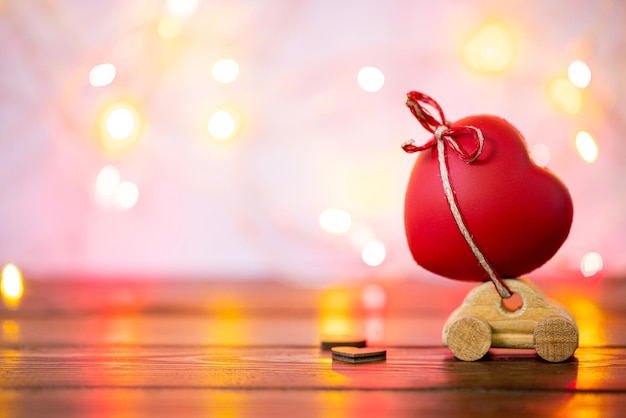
336, 403
591, 322
491, 49
10, 330
11, 359
121, 330
170, 27
336, 313
120, 128
236, 408
565, 96
229, 326
11, 286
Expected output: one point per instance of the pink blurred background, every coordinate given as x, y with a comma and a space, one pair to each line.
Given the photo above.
177, 203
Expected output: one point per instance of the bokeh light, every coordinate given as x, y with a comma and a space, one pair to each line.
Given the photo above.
540, 153
111, 191
120, 123
336, 313
10, 330
361, 235
102, 75
120, 128
491, 49
225, 70
297, 126
565, 96
107, 181
592, 327
127, 195
371, 79
374, 297
579, 73
182, 8
374, 253
11, 285
336, 221
170, 27
586, 146
224, 124
591, 263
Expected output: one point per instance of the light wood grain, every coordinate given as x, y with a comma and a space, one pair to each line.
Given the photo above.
482, 321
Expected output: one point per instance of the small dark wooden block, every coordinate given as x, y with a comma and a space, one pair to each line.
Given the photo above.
359, 355
329, 342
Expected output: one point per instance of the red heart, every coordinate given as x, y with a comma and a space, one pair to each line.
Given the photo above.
519, 214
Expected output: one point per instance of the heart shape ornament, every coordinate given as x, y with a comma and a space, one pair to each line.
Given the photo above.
513, 215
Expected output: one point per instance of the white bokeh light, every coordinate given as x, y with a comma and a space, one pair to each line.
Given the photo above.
371, 79
126, 195
334, 220
591, 264
579, 74
374, 253
120, 123
12, 285
540, 153
225, 71
586, 146
102, 75
182, 8
222, 125
108, 180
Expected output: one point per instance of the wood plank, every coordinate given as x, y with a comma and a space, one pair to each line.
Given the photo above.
171, 349
252, 368
235, 328
405, 296
131, 403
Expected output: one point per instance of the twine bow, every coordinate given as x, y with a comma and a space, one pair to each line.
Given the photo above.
444, 134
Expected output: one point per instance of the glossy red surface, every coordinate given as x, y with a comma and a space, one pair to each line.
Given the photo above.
519, 214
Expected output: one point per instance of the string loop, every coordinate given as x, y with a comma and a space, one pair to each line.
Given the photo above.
441, 129
446, 135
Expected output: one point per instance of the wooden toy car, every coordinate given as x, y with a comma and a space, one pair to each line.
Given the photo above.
482, 322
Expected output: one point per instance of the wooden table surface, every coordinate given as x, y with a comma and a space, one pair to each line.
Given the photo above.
175, 349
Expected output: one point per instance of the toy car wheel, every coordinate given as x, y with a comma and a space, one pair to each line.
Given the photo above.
469, 338
555, 339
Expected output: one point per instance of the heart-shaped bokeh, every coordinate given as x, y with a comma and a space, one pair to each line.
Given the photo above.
519, 214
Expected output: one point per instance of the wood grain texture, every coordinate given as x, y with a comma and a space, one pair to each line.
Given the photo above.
302, 368
130, 403
483, 321
227, 351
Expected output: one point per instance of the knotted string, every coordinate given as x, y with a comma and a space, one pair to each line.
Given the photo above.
444, 134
